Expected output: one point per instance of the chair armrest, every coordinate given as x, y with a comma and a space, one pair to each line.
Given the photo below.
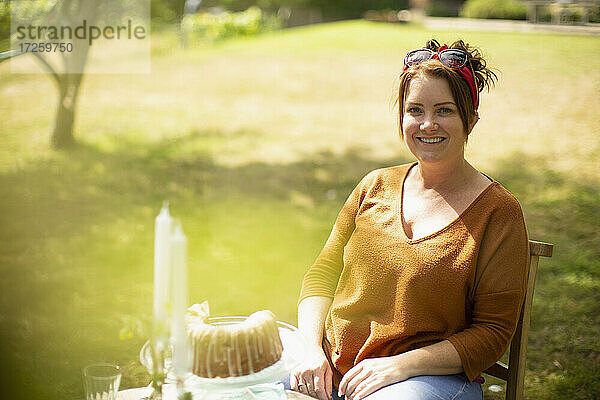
499, 370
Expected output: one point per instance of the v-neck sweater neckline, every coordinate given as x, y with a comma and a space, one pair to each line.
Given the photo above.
400, 202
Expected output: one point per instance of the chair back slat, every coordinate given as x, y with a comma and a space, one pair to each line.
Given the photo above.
514, 373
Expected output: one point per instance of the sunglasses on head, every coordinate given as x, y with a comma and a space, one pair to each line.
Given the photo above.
451, 58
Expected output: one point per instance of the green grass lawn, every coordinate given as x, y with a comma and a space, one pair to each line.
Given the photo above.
256, 143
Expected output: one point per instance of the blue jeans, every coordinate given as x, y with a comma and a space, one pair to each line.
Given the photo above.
427, 387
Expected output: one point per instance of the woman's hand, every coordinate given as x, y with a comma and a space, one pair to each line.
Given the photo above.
314, 376
370, 375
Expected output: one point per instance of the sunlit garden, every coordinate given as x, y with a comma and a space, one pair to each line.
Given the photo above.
256, 142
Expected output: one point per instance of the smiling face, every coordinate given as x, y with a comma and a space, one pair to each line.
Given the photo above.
431, 124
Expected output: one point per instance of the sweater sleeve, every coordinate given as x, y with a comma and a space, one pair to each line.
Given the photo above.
322, 277
498, 293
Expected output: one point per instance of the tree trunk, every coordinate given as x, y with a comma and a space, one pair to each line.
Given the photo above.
62, 136
69, 82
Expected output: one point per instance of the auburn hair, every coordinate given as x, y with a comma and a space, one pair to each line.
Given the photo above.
484, 77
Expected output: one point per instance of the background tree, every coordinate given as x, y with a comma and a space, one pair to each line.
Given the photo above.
166, 11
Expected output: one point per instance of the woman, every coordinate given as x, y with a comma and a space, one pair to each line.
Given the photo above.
419, 286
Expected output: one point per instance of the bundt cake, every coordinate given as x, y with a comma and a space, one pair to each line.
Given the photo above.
236, 349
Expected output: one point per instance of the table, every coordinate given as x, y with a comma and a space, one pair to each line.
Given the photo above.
140, 393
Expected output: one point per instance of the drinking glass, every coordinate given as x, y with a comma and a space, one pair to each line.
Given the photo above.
101, 381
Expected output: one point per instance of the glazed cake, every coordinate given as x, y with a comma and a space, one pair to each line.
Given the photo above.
233, 349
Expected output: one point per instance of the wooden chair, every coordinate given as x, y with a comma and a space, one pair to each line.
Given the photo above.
514, 372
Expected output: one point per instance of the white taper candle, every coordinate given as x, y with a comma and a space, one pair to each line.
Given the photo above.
162, 260
179, 290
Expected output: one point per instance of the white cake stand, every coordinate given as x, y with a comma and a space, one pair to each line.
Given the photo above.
294, 349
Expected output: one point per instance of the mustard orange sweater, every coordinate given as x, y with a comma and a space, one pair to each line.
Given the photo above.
464, 283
